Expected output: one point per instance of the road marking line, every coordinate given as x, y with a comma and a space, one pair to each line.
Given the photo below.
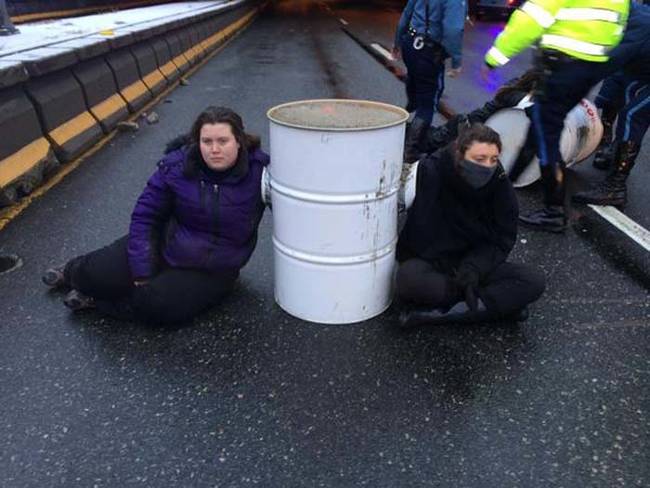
625, 224
343, 21
383, 51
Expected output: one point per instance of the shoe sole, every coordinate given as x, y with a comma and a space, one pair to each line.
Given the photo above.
53, 279
558, 230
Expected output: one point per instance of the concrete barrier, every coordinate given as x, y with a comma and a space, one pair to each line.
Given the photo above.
196, 42
25, 155
148, 67
61, 109
100, 92
127, 76
12, 73
186, 44
64, 97
164, 58
176, 48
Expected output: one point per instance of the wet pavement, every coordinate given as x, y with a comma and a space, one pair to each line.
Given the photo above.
247, 394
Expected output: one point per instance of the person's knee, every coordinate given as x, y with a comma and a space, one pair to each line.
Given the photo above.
406, 286
533, 282
157, 308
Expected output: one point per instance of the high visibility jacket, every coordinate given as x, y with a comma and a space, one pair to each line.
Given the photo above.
583, 29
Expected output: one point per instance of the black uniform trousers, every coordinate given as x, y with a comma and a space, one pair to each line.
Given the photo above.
630, 98
506, 290
173, 295
425, 80
566, 81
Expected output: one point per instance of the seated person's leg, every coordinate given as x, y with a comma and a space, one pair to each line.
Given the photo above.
510, 288
178, 295
420, 283
101, 274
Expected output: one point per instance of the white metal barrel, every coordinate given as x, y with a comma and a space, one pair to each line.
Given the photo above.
334, 176
580, 137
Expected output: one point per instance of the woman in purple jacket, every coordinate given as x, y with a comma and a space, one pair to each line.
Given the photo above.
193, 228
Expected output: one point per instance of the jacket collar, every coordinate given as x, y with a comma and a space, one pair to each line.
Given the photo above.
195, 164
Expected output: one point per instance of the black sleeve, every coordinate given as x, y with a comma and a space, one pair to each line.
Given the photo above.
488, 255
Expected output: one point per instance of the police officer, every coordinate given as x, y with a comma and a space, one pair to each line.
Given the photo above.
575, 37
626, 94
429, 32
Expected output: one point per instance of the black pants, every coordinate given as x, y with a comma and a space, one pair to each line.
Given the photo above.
508, 289
425, 80
173, 295
566, 82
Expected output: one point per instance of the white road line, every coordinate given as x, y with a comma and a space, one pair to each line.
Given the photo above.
625, 224
383, 51
343, 21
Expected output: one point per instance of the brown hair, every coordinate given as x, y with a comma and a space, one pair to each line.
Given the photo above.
477, 133
527, 82
224, 115
217, 115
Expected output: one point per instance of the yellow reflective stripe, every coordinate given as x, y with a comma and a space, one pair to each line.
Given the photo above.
108, 107
72, 128
573, 44
588, 14
540, 15
168, 69
20, 162
134, 90
498, 56
153, 79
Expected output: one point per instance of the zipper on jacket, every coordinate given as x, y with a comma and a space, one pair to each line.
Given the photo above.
202, 194
215, 191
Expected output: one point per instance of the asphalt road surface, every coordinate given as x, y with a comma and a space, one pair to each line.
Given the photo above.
247, 394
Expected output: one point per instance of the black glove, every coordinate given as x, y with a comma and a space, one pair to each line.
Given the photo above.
467, 279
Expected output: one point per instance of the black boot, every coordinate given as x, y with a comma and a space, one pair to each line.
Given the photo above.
54, 277
550, 218
613, 191
604, 152
413, 143
458, 314
604, 157
76, 301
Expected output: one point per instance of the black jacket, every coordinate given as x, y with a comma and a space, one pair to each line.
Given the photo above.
452, 225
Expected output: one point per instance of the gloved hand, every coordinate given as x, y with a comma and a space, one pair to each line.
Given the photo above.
467, 278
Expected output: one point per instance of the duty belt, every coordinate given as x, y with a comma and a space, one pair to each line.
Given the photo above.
421, 40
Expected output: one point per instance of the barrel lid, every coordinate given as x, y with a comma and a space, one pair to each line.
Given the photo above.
337, 115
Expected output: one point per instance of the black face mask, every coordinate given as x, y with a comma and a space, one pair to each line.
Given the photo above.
474, 174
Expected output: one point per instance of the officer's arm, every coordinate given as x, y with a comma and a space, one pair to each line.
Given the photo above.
453, 25
526, 25
403, 21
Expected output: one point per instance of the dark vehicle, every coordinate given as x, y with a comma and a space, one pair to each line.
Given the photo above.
493, 8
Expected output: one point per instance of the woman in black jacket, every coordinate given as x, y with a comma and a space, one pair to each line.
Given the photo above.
458, 234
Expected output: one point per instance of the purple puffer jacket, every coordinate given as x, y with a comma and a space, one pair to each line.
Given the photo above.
204, 222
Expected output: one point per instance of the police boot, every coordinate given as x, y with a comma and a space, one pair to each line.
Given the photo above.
613, 190
604, 152
550, 218
458, 314
414, 138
